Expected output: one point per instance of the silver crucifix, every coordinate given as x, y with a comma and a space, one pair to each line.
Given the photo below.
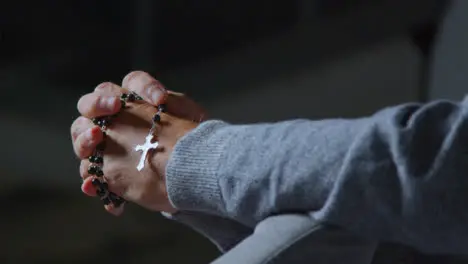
145, 148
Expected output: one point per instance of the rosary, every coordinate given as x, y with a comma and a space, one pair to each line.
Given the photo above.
97, 160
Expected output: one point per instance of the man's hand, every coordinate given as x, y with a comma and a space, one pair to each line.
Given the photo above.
148, 187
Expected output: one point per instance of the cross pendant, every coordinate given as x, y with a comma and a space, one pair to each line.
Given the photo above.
145, 148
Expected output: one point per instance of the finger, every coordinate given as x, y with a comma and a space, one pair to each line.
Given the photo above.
108, 88
88, 188
146, 86
87, 141
114, 210
80, 125
84, 167
180, 105
96, 104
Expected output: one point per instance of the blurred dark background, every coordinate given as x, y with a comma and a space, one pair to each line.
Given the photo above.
245, 60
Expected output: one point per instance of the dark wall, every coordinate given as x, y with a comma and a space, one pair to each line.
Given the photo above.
230, 55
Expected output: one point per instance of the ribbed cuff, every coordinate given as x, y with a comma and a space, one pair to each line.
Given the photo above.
192, 170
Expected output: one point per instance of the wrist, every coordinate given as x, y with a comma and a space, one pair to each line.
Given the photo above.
169, 132
192, 169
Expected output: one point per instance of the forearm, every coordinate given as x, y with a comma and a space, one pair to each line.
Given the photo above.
398, 175
405, 179
249, 172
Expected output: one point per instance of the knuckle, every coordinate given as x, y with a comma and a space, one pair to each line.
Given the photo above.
74, 131
82, 148
93, 104
139, 81
103, 86
153, 91
80, 151
76, 127
86, 103
131, 76
80, 103
76, 150
146, 86
149, 87
84, 169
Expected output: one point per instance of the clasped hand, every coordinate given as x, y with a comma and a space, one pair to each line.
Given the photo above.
147, 187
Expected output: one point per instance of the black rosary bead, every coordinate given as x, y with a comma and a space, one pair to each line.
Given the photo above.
101, 121
113, 196
102, 188
104, 123
123, 96
101, 193
95, 159
116, 200
131, 97
98, 159
123, 103
101, 185
99, 172
92, 170
156, 118
106, 200
137, 97
95, 170
162, 108
96, 182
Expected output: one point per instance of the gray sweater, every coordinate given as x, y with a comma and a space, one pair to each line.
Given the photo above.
400, 175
